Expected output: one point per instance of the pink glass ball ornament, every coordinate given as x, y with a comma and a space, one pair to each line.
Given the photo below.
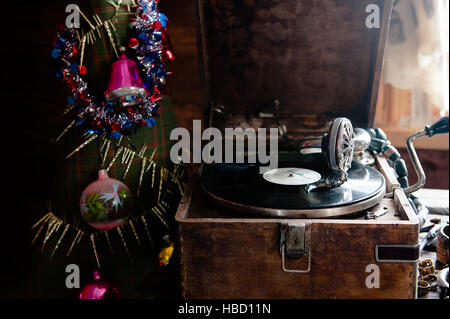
99, 288
106, 203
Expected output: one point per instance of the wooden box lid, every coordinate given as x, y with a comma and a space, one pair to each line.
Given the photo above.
317, 57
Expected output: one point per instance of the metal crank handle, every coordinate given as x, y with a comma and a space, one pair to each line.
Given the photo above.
440, 127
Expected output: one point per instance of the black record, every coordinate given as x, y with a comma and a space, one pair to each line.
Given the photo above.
241, 187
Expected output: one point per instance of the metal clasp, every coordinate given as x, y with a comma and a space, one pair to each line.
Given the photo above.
295, 243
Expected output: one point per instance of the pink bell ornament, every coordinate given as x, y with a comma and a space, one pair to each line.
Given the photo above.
106, 203
99, 288
125, 86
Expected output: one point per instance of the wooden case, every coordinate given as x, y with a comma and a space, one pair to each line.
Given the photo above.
321, 61
224, 255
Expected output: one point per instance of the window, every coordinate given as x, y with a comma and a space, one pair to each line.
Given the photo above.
415, 85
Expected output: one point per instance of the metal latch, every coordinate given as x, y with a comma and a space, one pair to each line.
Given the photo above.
295, 243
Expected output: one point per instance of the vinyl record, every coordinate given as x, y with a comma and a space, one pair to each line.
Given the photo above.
242, 188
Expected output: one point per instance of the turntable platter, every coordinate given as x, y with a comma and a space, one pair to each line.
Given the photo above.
241, 188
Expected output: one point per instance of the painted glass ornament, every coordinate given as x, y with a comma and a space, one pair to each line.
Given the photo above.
106, 203
125, 87
99, 288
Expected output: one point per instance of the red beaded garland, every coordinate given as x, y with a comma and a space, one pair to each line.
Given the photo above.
133, 43
82, 69
115, 127
157, 25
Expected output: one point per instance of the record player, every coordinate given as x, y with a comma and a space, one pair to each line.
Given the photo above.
332, 220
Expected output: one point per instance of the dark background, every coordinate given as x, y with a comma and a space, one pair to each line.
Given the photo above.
32, 101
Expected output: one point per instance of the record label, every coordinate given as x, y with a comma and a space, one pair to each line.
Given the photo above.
310, 150
291, 176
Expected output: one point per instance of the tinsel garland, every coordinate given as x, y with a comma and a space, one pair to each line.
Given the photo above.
96, 115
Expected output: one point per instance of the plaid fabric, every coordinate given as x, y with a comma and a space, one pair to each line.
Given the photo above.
75, 173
